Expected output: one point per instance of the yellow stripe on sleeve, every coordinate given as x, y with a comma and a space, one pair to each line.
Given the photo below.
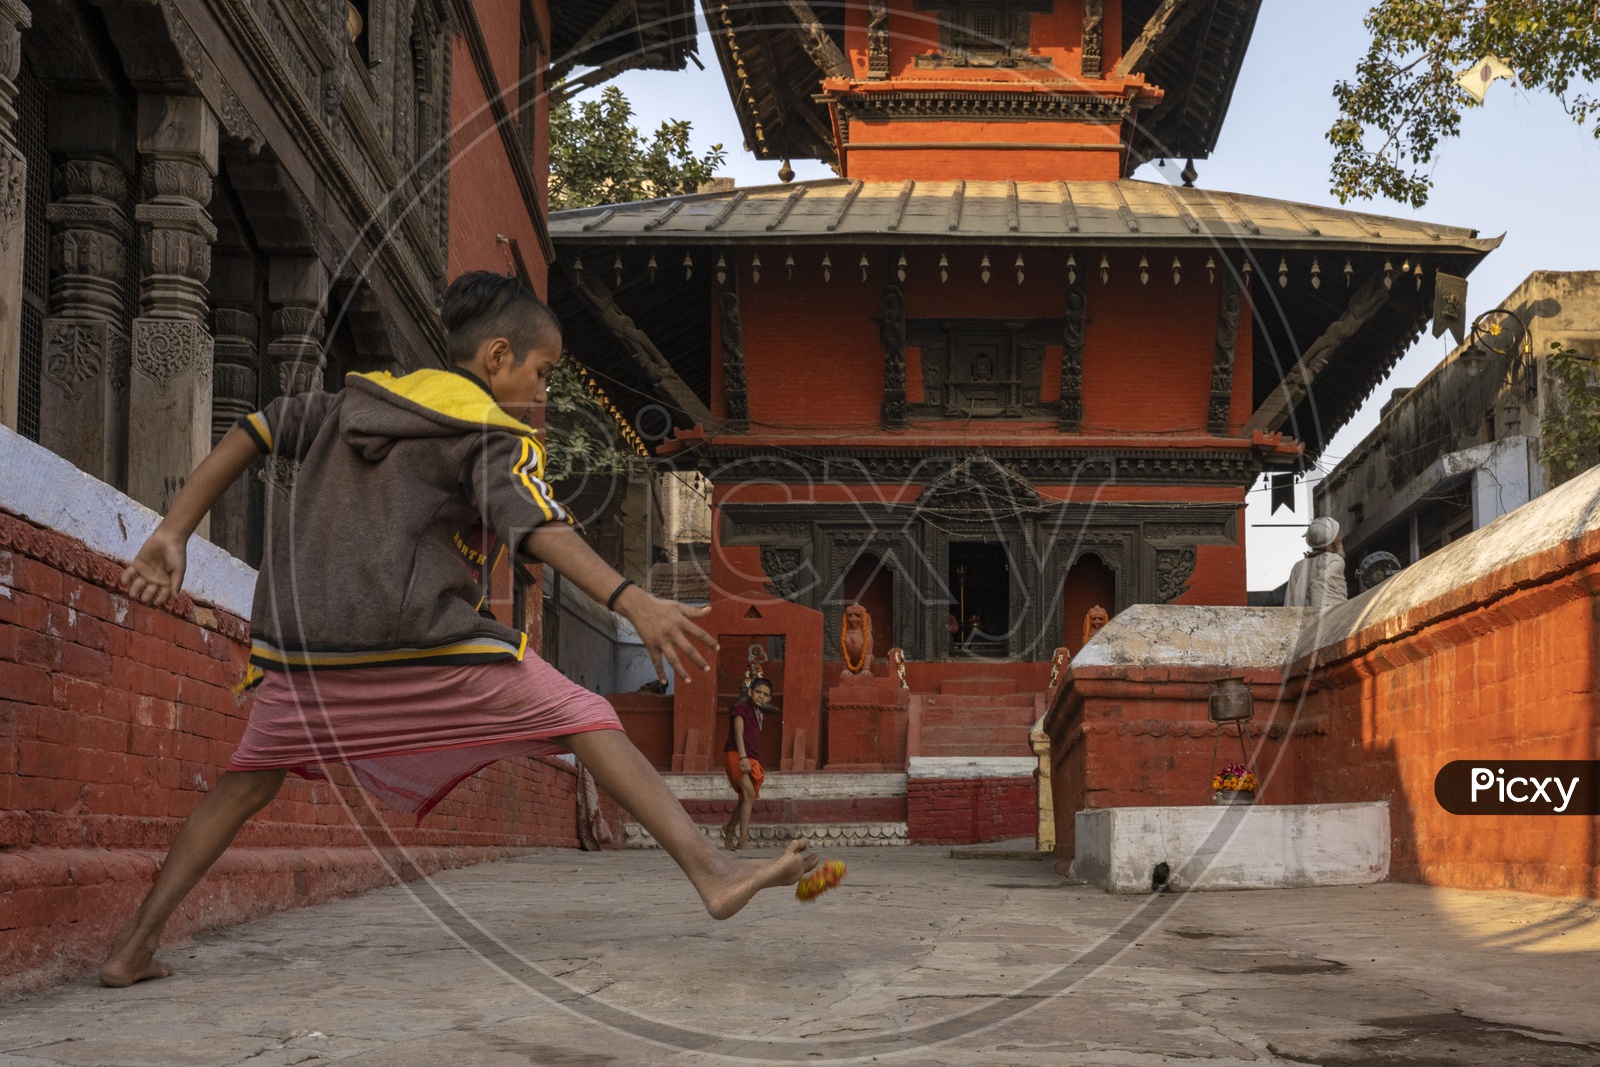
531, 449
263, 432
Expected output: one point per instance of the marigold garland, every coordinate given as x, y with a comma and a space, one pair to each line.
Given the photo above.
1235, 776
826, 875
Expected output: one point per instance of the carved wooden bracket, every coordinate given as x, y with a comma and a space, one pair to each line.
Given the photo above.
1276, 409
892, 330
1222, 359
640, 349
1072, 336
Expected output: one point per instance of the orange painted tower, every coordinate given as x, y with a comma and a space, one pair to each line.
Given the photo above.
984, 380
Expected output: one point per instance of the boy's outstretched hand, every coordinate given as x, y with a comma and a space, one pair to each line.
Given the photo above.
667, 629
156, 574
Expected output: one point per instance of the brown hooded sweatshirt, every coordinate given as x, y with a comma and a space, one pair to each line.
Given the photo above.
406, 491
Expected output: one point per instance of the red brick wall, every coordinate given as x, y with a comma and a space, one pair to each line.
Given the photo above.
1147, 355
1500, 668
484, 200
1511, 677
116, 718
965, 811
647, 718
1136, 737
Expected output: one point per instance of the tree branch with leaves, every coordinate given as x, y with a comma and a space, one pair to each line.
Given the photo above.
1405, 98
598, 156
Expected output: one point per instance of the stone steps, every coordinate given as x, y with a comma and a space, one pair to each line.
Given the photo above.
777, 835
830, 809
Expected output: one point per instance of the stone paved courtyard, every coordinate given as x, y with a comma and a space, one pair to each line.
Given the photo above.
918, 947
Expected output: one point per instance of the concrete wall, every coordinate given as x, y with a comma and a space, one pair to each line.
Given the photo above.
599, 650
1471, 428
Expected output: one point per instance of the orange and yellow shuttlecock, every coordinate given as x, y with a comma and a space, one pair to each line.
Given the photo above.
826, 875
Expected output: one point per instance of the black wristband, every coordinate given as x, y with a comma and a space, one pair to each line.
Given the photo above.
611, 601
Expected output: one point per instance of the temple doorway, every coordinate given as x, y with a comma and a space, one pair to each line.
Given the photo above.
1088, 583
980, 614
870, 583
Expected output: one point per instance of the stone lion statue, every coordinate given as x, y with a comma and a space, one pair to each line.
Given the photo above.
1093, 621
855, 640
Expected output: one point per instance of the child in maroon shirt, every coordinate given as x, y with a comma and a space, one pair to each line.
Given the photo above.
742, 756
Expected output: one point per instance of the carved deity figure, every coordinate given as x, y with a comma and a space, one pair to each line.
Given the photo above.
1093, 621
897, 662
855, 640
756, 657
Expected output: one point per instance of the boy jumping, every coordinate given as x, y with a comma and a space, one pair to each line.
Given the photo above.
366, 634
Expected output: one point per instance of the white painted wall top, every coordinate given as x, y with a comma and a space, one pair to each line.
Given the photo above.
1193, 635
43, 488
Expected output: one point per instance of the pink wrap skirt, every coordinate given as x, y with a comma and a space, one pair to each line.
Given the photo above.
412, 734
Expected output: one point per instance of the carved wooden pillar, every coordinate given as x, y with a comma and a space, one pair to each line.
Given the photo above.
295, 349
296, 287
14, 18
735, 395
1094, 16
295, 356
169, 398
1222, 358
235, 394
892, 330
1071, 420
83, 382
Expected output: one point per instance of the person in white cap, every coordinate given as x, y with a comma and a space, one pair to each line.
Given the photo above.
1317, 581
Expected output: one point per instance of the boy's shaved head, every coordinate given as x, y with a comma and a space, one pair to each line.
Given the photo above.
481, 305
760, 683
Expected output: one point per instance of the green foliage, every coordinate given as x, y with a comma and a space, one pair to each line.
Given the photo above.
1571, 429
580, 437
597, 155
1405, 90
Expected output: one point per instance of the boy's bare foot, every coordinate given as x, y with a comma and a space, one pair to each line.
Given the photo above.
131, 961
728, 841
730, 888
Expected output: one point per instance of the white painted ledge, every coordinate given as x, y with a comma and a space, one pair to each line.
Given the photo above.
788, 786
1277, 846
43, 488
777, 835
925, 767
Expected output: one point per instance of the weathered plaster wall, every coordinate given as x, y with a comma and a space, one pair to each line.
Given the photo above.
1462, 406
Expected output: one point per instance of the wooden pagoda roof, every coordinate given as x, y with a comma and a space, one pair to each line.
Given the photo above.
617, 277
1059, 213
773, 79
618, 35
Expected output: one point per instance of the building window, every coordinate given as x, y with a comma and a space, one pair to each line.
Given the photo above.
983, 33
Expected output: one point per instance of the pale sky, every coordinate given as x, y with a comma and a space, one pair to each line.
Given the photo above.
1521, 167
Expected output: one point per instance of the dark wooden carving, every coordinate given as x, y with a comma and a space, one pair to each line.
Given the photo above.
984, 33
892, 330
1094, 16
1072, 334
877, 39
784, 568
1174, 567
982, 369
1222, 360
735, 391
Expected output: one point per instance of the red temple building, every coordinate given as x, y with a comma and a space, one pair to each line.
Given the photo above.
983, 380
